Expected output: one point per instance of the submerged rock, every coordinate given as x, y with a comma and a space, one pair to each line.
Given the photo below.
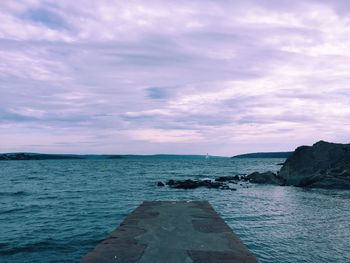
264, 178
160, 184
322, 165
225, 187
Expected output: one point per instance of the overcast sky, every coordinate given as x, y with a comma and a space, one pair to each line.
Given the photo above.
223, 77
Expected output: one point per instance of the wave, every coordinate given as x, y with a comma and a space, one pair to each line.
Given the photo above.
48, 197
29, 208
17, 193
10, 211
32, 247
48, 245
2, 245
34, 178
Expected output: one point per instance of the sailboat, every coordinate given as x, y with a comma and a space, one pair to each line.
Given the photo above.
207, 156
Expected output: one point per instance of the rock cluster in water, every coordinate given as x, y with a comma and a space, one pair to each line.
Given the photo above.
322, 165
225, 182
192, 184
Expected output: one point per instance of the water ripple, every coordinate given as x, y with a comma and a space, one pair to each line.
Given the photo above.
58, 210
15, 193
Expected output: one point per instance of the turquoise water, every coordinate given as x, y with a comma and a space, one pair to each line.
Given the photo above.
58, 210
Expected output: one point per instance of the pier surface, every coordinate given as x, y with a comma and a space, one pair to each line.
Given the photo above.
172, 232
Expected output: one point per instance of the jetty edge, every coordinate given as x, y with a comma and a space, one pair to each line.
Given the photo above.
172, 232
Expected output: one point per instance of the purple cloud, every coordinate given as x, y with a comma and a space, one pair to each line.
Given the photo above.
44, 17
221, 77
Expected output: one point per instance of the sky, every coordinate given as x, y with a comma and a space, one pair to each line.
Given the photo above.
184, 77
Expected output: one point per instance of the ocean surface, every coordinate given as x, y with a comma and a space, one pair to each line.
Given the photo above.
58, 210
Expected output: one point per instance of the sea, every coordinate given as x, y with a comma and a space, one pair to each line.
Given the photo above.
58, 210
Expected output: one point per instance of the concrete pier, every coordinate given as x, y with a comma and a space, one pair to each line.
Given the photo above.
172, 232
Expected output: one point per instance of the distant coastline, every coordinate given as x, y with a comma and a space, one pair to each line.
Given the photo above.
22, 156
264, 155
43, 156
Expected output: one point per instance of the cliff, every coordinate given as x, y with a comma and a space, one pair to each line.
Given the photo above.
322, 165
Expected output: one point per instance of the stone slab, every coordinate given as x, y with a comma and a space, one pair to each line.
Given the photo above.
172, 232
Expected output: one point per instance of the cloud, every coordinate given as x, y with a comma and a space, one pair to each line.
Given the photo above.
45, 17
185, 77
157, 93
165, 136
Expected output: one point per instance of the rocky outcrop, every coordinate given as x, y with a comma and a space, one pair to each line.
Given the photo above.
265, 178
192, 184
234, 178
322, 165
